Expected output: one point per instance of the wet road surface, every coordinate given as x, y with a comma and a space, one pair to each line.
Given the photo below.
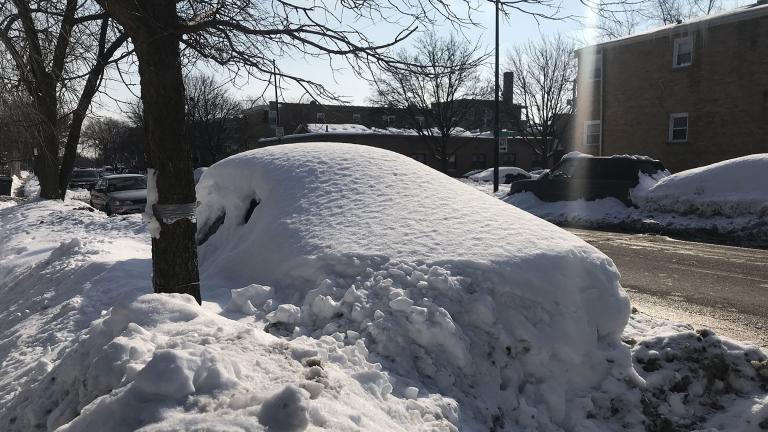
723, 288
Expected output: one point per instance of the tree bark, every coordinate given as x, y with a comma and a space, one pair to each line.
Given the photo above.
47, 159
174, 251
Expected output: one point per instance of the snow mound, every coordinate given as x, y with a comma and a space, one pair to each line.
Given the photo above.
731, 188
85, 346
487, 175
517, 331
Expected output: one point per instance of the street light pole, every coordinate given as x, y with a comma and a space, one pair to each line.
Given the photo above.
496, 129
277, 105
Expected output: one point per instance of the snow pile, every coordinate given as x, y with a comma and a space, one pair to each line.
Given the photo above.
351, 250
341, 293
487, 175
732, 188
351, 128
337, 128
600, 212
86, 347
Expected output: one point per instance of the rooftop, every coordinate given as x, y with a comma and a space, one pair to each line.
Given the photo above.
742, 13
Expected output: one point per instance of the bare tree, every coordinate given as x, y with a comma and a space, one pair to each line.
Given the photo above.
59, 50
544, 72
211, 113
111, 142
244, 36
620, 19
439, 87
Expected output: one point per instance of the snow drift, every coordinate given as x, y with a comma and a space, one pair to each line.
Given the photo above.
475, 299
732, 188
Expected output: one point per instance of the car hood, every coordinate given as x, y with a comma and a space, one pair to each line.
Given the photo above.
129, 194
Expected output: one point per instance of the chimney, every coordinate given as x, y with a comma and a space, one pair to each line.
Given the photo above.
506, 94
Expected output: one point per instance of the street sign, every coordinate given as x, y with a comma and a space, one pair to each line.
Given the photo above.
279, 131
502, 145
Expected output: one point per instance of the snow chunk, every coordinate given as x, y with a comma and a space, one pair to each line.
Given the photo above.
285, 411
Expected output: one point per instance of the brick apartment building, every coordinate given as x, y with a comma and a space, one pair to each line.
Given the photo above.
689, 94
471, 152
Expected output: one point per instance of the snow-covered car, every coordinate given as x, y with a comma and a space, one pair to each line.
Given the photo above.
83, 179
590, 178
120, 194
507, 175
471, 173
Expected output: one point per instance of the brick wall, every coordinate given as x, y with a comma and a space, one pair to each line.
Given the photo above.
724, 91
468, 149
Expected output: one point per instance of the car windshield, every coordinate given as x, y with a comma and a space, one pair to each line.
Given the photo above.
79, 174
126, 183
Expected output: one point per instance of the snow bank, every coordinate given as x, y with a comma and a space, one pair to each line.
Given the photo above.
732, 188
85, 346
352, 250
487, 175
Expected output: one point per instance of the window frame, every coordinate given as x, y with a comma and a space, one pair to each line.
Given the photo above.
587, 124
676, 51
671, 128
356, 118
596, 73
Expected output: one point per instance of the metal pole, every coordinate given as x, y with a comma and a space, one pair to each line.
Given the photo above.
496, 131
277, 105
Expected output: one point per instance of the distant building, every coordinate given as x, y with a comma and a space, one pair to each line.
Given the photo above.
394, 129
689, 94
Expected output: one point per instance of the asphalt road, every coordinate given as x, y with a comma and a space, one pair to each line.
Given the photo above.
723, 288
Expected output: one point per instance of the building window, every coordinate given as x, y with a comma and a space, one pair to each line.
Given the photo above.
678, 127
420, 121
421, 157
320, 117
592, 133
597, 67
509, 159
355, 118
272, 118
683, 53
388, 119
478, 160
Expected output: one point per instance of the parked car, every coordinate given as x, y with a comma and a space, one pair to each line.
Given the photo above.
471, 173
507, 175
120, 194
590, 178
83, 178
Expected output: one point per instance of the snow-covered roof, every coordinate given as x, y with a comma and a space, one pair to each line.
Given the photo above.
751, 11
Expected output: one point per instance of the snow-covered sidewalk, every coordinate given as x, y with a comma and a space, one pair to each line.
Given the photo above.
332, 306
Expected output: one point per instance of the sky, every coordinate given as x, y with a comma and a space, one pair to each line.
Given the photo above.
516, 29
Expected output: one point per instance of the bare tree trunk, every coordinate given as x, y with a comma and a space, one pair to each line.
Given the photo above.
47, 159
174, 251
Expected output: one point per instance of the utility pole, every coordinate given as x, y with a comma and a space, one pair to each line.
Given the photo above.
277, 104
496, 131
